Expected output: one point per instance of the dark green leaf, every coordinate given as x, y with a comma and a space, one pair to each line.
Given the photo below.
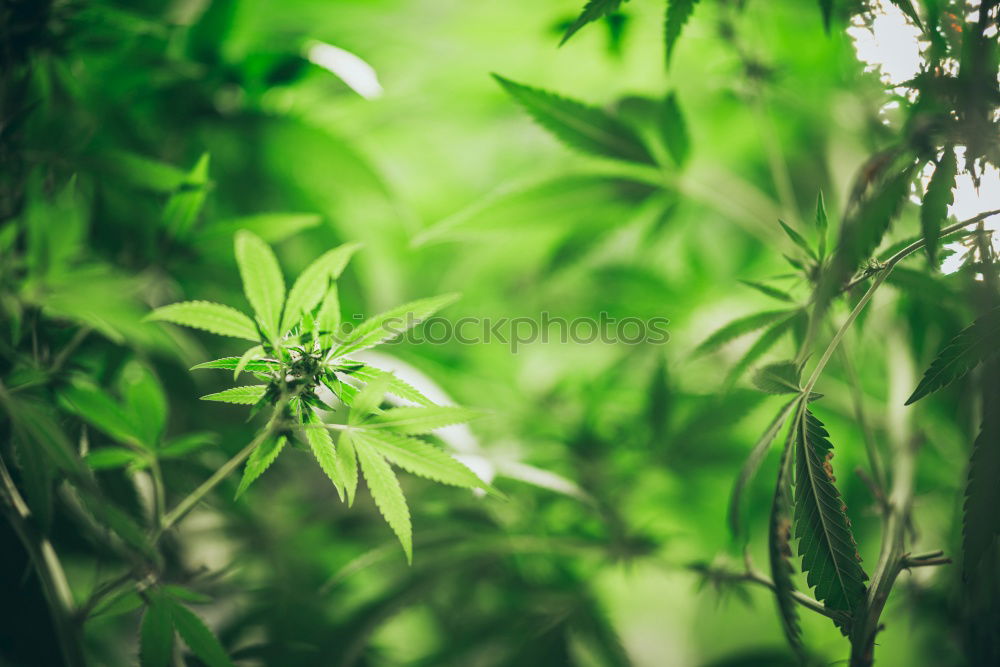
937, 199
972, 345
197, 636
778, 378
582, 127
826, 6
593, 10
981, 521
826, 544
909, 10
392, 323
678, 13
740, 327
156, 637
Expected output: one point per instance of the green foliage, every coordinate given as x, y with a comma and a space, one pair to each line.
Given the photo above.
937, 199
263, 283
384, 487
592, 11
579, 126
780, 550
677, 15
212, 317
980, 528
826, 544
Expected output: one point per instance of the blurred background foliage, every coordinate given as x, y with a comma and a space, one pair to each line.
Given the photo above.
137, 137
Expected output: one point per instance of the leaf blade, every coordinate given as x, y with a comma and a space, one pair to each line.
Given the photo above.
244, 395
212, 317
263, 282
387, 494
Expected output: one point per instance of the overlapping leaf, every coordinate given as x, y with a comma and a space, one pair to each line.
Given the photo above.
972, 345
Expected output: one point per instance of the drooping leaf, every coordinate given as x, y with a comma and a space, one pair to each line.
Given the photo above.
973, 345
678, 13
778, 378
937, 199
197, 636
419, 458
323, 449
585, 128
89, 402
246, 395
752, 464
263, 283
981, 521
673, 130
592, 11
313, 283
156, 635
392, 323
779, 539
768, 290
384, 487
212, 317
414, 420
348, 464
259, 461
829, 555
740, 327
231, 363
797, 239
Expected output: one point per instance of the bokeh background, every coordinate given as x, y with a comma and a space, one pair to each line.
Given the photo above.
617, 460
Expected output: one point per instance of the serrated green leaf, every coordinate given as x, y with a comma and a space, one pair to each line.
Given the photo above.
767, 290
396, 386
780, 552
263, 283
212, 317
392, 323
197, 636
323, 449
368, 398
592, 11
260, 460
255, 352
673, 130
156, 635
414, 420
90, 403
313, 283
797, 239
752, 464
419, 458
585, 128
231, 363
348, 464
939, 196
973, 345
829, 555
678, 13
778, 378
384, 487
328, 316
245, 395
740, 327
980, 525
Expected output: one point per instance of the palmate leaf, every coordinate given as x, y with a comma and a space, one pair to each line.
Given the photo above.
259, 461
263, 283
752, 464
829, 555
197, 636
414, 420
246, 395
384, 487
391, 323
156, 634
592, 11
212, 317
312, 284
981, 521
780, 551
144, 400
678, 13
974, 344
939, 196
419, 458
323, 449
585, 128
740, 327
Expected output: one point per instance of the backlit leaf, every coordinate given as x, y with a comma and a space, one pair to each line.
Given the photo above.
740, 327
592, 11
419, 458
260, 460
780, 551
937, 199
384, 487
981, 525
213, 317
778, 378
263, 283
246, 395
313, 282
678, 13
197, 636
414, 420
392, 323
965, 351
323, 449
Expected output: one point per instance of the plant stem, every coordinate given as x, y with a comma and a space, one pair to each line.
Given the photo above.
55, 585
